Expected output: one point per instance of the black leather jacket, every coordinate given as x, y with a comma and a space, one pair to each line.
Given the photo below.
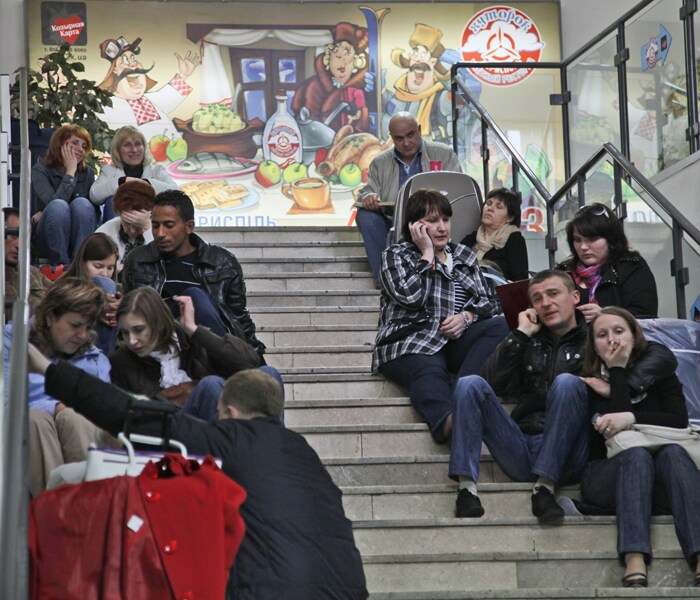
523, 368
216, 270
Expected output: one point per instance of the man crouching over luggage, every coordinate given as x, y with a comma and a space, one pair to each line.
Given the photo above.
298, 542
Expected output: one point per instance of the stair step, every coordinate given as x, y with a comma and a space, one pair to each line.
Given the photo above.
337, 280
323, 387
373, 411
421, 501
405, 470
667, 593
500, 536
316, 335
273, 235
315, 315
256, 267
320, 356
318, 297
303, 249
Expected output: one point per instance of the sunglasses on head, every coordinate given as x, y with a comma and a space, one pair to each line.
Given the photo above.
598, 211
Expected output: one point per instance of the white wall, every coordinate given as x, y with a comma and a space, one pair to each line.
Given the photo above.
12, 34
582, 20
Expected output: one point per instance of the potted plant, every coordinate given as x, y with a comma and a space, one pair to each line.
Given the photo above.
56, 96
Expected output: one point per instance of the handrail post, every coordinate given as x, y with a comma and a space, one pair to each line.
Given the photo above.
14, 567
621, 58
678, 271
686, 15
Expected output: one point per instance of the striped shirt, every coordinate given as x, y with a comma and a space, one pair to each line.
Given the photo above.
417, 296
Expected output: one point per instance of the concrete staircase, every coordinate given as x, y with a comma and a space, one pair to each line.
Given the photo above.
316, 308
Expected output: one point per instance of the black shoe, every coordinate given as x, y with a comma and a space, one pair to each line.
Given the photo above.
635, 580
468, 505
545, 507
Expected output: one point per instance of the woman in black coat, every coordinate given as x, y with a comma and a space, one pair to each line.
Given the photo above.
635, 479
498, 242
606, 271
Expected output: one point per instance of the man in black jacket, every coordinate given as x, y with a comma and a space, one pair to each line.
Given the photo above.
546, 436
298, 544
178, 262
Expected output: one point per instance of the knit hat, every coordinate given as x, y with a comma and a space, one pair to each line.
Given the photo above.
134, 195
356, 36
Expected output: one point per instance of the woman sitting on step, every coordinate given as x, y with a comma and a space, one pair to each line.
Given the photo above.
636, 479
178, 362
438, 315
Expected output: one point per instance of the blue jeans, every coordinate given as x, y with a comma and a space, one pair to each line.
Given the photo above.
633, 482
106, 335
427, 376
374, 227
203, 402
107, 210
206, 313
559, 453
63, 227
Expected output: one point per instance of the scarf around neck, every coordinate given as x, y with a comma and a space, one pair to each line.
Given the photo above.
496, 241
170, 372
589, 276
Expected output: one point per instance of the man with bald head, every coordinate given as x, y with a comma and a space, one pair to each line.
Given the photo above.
387, 174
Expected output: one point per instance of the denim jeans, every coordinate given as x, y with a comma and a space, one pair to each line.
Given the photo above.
559, 453
107, 210
633, 482
427, 376
106, 335
203, 402
206, 313
63, 227
374, 227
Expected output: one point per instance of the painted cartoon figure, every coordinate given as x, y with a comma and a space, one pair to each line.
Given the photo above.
340, 77
423, 89
133, 102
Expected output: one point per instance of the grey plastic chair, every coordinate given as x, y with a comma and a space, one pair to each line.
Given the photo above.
461, 190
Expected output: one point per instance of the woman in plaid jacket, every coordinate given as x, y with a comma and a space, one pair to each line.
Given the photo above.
438, 314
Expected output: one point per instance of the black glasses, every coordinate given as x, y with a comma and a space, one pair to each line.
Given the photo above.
598, 211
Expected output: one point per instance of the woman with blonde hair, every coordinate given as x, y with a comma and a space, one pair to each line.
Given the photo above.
131, 160
61, 186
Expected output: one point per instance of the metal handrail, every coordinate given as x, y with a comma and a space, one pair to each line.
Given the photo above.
14, 567
622, 167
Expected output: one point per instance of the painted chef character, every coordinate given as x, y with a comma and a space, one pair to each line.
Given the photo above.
422, 90
133, 102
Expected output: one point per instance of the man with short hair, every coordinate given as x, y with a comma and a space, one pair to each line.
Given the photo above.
38, 284
180, 263
387, 174
545, 438
298, 544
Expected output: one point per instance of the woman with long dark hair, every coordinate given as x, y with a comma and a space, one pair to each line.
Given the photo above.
606, 271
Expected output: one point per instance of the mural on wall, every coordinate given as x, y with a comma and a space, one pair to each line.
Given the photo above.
287, 117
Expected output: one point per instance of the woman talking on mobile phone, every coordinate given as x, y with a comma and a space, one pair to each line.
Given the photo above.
437, 312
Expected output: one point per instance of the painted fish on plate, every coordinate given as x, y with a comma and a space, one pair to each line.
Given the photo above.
213, 162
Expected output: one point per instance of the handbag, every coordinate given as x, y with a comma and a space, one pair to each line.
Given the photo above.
652, 437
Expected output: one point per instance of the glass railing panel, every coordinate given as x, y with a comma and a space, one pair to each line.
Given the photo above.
657, 104
593, 111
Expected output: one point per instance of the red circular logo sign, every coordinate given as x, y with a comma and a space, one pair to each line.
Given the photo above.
501, 34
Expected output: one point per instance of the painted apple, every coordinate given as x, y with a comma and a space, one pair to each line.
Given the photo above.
294, 171
177, 149
350, 175
158, 145
268, 173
